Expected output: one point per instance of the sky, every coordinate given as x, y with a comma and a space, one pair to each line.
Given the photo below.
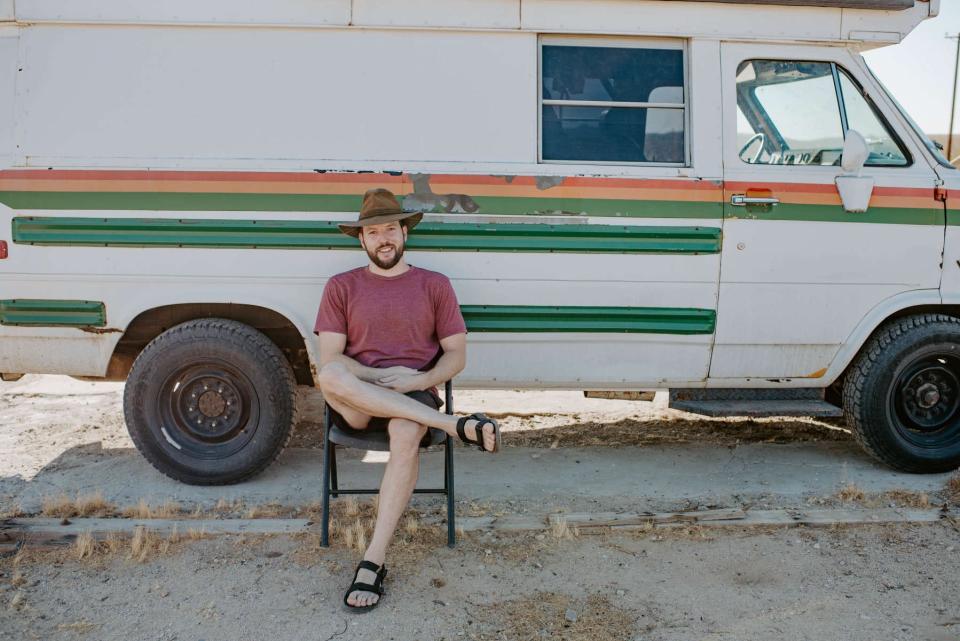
919, 70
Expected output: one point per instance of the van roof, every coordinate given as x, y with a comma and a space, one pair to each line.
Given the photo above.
857, 23
883, 5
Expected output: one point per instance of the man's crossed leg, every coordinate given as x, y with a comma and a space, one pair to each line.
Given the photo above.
357, 402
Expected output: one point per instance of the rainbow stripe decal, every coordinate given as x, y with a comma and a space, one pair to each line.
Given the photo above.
136, 190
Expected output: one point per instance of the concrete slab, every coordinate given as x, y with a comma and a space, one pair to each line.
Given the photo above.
654, 478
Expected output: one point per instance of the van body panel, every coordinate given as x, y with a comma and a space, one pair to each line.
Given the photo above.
227, 12
9, 53
177, 81
679, 275
760, 19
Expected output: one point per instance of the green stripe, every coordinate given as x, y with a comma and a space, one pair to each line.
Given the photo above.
647, 320
486, 205
306, 234
489, 205
836, 214
67, 313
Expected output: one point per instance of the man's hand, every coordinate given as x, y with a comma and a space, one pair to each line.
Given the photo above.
402, 379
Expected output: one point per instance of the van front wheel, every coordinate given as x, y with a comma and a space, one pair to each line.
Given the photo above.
210, 402
901, 396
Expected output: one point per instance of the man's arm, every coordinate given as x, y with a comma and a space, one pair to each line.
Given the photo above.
332, 345
451, 363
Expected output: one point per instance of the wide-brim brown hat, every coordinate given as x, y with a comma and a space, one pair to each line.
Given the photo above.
380, 206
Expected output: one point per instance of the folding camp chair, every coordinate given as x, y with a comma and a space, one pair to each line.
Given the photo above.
379, 441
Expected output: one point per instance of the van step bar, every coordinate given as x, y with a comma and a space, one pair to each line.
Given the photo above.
755, 403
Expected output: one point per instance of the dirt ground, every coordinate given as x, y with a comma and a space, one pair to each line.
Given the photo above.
858, 583
836, 583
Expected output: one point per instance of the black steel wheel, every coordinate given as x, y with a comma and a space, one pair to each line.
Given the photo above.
902, 394
210, 401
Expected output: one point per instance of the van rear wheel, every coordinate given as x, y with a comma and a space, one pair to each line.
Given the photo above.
901, 396
210, 402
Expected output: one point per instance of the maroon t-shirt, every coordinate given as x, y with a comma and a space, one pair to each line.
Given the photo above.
389, 321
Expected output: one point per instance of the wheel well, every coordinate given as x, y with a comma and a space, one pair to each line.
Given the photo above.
834, 391
153, 322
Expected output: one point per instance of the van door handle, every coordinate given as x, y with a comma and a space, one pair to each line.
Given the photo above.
742, 200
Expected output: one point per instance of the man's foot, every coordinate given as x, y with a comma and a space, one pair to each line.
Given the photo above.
489, 431
366, 577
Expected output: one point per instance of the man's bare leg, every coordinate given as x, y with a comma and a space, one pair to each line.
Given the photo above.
338, 382
396, 488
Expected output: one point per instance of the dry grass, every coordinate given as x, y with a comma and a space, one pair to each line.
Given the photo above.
14, 511
113, 544
850, 492
17, 602
897, 498
197, 534
139, 511
906, 498
141, 544
85, 545
543, 615
18, 579
952, 489
271, 510
80, 627
168, 510
143, 510
93, 505
87, 505
560, 530
58, 507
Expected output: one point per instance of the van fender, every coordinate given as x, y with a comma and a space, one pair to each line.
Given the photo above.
130, 310
920, 298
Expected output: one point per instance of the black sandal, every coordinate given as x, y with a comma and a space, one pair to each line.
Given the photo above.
376, 588
482, 419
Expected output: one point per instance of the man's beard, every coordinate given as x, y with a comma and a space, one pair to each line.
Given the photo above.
389, 263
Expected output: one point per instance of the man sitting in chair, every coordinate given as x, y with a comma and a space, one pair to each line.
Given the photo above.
389, 334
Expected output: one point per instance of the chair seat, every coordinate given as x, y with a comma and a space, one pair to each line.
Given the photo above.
376, 440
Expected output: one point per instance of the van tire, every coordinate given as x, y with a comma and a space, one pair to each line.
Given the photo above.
211, 401
901, 395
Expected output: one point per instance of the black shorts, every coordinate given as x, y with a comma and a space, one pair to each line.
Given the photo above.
378, 423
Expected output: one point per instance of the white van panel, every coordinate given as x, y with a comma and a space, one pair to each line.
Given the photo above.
895, 23
254, 94
6, 9
684, 19
9, 48
288, 12
491, 14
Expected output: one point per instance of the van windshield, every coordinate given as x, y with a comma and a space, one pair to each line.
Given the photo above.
929, 144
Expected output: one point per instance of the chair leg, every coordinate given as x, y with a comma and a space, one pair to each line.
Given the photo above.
448, 487
333, 470
448, 474
325, 521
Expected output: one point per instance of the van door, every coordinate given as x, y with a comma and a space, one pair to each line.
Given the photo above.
799, 271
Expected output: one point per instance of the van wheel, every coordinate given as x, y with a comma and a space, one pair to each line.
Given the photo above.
901, 396
210, 402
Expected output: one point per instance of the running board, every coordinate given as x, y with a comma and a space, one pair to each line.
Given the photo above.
754, 403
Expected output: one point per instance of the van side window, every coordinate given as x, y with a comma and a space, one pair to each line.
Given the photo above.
863, 117
796, 113
612, 104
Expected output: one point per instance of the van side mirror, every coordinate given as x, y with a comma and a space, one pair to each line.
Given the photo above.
855, 190
855, 153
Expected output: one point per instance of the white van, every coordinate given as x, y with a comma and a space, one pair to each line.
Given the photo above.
717, 199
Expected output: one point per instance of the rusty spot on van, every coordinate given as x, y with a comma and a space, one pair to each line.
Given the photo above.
99, 330
817, 374
423, 199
